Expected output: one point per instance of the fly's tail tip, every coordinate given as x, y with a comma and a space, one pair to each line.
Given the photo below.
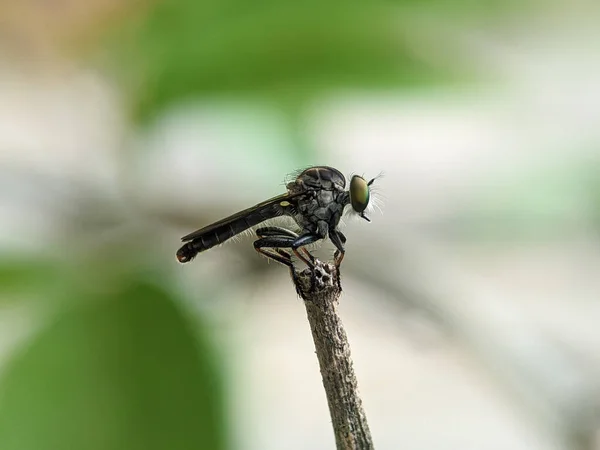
182, 259
185, 254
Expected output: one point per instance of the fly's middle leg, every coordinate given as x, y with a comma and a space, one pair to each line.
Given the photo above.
280, 231
274, 239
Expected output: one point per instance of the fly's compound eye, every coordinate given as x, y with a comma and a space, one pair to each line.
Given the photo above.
359, 193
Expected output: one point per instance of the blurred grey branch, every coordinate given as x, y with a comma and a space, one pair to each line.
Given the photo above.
557, 388
333, 351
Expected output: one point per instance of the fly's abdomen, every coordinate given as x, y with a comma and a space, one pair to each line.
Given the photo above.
212, 238
223, 230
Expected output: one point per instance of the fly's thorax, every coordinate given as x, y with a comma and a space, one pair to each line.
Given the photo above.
325, 206
325, 198
322, 177
306, 207
337, 208
317, 178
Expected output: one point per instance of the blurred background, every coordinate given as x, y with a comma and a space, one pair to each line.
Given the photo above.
471, 303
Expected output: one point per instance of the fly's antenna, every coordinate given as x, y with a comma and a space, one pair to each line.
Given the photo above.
379, 175
377, 197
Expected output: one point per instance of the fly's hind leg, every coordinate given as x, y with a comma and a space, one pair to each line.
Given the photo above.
270, 245
279, 255
307, 239
293, 274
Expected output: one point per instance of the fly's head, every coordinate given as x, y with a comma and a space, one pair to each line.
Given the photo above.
360, 195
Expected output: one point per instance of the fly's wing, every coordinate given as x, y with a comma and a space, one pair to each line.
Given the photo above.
225, 229
240, 221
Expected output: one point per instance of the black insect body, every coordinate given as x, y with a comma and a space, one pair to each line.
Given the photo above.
316, 200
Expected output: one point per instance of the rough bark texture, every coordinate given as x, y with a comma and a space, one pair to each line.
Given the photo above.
333, 351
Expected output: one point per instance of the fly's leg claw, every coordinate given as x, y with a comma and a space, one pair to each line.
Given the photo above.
338, 257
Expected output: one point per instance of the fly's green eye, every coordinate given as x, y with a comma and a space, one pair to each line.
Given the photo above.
359, 193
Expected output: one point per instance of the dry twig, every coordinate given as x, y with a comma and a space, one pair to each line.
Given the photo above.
333, 351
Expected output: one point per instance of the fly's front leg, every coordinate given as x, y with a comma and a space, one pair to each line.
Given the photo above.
338, 239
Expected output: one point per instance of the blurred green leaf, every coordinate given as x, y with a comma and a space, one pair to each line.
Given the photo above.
287, 51
119, 370
26, 275
543, 201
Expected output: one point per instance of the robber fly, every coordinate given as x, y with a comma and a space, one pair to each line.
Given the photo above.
315, 200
